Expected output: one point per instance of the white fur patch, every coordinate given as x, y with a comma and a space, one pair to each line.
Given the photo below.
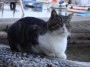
54, 45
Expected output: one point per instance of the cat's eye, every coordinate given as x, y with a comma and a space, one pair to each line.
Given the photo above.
57, 25
68, 26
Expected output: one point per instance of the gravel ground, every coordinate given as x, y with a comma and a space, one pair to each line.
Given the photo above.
16, 59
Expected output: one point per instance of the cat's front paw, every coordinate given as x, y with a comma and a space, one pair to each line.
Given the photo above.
51, 55
62, 56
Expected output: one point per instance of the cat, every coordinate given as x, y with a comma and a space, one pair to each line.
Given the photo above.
30, 34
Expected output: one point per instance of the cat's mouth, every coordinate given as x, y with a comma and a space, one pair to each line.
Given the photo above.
60, 33
63, 33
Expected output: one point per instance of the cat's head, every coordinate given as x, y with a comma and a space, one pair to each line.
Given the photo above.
59, 24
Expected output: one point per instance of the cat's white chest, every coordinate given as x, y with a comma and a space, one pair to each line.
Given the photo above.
53, 43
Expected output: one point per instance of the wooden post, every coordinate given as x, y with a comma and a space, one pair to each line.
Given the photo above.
21, 3
2, 7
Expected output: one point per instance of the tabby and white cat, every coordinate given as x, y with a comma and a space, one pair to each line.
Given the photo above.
31, 34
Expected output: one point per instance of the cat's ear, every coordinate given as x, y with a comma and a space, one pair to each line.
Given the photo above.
53, 13
70, 15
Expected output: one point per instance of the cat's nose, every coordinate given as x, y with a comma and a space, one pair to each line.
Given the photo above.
63, 29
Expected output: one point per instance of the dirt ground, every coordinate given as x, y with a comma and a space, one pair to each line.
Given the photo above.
79, 53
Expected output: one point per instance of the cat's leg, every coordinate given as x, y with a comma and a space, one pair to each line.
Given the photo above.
36, 50
41, 50
32, 34
26, 47
13, 45
49, 53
